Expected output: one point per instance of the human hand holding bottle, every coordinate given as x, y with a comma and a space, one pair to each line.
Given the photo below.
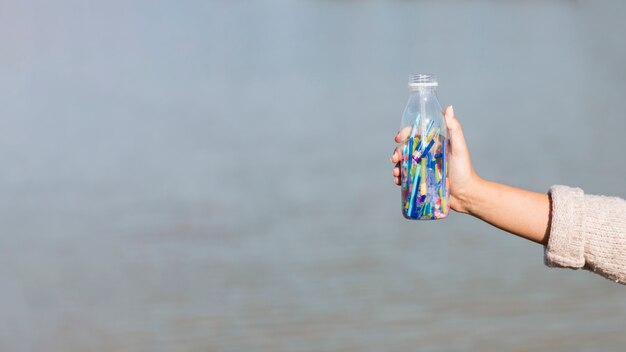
461, 173
520, 212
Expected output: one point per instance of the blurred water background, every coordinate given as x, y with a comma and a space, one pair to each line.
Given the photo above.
215, 176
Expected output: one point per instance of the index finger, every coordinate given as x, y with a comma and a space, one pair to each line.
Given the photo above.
403, 134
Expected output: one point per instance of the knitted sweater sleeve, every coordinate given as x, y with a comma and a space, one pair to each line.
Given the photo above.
588, 232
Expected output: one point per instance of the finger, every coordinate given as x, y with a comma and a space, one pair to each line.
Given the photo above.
396, 180
397, 154
396, 171
403, 134
457, 140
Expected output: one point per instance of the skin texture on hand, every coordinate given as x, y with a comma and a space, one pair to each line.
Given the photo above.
520, 212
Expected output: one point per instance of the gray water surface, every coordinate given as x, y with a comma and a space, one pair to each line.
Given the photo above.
214, 176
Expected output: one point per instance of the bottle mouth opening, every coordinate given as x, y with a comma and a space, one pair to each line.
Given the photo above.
422, 80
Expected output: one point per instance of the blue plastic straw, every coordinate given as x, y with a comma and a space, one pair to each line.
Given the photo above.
443, 166
430, 145
410, 151
430, 125
415, 183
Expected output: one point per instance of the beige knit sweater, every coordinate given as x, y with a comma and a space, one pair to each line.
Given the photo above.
587, 232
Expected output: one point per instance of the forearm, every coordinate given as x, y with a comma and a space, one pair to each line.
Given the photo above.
520, 212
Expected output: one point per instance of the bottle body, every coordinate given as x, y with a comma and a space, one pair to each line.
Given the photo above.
424, 166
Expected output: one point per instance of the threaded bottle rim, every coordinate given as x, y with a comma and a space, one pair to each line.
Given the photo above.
422, 80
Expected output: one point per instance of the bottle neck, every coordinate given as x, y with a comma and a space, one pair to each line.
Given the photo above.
423, 91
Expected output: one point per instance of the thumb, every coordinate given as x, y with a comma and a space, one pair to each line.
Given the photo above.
457, 140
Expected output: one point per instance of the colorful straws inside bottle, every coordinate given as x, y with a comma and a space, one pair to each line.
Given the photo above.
424, 175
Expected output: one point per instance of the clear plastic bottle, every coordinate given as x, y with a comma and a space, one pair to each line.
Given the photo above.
424, 165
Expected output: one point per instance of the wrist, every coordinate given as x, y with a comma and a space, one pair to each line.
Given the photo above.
469, 198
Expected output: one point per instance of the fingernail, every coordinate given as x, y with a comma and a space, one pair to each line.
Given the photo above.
452, 110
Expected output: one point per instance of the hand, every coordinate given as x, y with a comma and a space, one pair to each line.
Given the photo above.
461, 174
